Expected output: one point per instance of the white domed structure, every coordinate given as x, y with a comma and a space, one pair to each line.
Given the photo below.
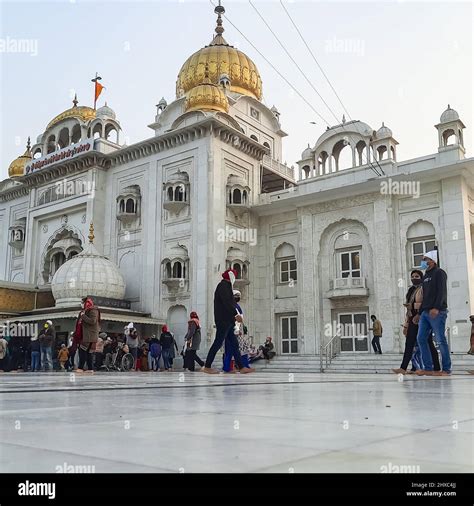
449, 115
384, 132
307, 154
106, 112
88, 273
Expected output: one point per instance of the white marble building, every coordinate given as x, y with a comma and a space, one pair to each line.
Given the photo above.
331, 244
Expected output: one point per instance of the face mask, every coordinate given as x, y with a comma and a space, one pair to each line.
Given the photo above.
416, 281
424, 265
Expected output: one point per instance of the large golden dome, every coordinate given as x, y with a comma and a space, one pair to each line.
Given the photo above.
82, 112
221, 58
17, 167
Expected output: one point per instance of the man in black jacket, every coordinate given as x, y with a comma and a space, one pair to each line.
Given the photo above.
225, 316
434, 311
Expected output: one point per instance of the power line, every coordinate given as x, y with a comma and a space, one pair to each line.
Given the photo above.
308, 80
274, 68
324, 73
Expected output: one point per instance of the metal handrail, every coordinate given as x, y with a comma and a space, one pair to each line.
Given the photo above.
325, 358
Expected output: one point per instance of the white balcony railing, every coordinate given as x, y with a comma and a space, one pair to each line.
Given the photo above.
347, 283
278, 167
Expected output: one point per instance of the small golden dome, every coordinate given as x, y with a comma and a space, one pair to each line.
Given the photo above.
221, 59
206, 96
17, 167
82, 112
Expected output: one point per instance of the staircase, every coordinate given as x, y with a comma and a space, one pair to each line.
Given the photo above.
352, 363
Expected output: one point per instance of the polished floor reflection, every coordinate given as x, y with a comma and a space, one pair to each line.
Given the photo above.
273, 422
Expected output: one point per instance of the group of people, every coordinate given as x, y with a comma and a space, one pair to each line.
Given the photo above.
88, 348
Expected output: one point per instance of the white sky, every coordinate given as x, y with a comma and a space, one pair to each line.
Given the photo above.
397, 62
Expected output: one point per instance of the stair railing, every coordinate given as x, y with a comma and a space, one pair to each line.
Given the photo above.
329, 351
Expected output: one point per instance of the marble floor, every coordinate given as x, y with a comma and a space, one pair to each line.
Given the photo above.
272, 422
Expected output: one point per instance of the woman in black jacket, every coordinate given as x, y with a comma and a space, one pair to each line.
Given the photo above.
193, 342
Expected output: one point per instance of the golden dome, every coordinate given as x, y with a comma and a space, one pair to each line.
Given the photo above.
221, 59
83, 113
206, 96
17, 167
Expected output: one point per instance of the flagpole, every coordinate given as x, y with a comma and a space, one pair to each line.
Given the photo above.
96, 78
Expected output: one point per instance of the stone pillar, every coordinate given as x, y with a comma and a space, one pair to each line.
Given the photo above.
455, 258
308, 323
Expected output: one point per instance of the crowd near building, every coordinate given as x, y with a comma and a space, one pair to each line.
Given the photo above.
328, 241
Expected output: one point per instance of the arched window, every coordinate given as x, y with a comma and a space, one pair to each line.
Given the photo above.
179, 194
449, 137
130, 206
177, 270
111, 133
306, 171
122, 206
268, 146
323, 167
56, 261
286, 266
76, 134
72, 254
97, 131
238, 269
237, 196
360, 147
168, 270
254, 137
342, 152
244, 196
382, 152
37, 153
63, 139
421, 239
170, 193
51, 144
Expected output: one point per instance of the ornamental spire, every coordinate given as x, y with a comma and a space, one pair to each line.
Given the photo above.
91, 233
218, 39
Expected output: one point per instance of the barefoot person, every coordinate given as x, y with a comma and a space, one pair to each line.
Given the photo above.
90, 326
225, 316
434, 311
413, 300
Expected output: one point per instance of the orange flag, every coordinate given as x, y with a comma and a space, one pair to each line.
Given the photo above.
98, 90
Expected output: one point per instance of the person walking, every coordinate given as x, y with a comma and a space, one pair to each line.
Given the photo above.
90, 324
35, 354
3, 354
377, 330
471, 348
225, 316
63, 357
434, 311
413, 301
192, 340
167, 341
46, 339
155, 353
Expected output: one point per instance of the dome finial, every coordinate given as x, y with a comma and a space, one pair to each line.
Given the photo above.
75, 102
219, 10
28, 144
343, 118
91, 233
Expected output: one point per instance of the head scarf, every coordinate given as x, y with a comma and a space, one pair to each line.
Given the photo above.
194, 318
230, 275
164, 328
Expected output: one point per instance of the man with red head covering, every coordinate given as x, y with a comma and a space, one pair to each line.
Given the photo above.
225, 316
